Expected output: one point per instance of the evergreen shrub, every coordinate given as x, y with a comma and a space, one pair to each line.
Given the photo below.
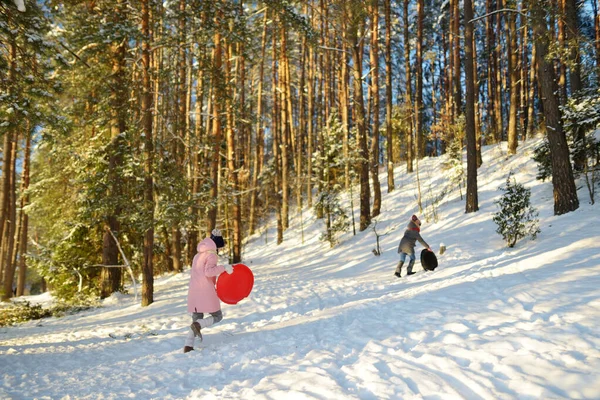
517, 218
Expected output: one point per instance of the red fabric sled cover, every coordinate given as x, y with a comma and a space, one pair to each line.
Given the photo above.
232, 288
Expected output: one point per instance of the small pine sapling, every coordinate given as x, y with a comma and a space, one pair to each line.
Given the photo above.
329, 163
517, 218
454, 163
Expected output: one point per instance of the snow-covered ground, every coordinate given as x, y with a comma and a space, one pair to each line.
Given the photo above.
321, 323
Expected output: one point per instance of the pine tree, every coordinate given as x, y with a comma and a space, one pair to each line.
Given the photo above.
455, 153
330, 162
517, 218
28, 100
565, 191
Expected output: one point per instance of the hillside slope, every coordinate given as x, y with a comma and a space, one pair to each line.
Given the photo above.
321, 323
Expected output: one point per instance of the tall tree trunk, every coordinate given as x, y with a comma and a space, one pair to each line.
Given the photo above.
8, 243
197, 156
285, 131
478, 132
491, 72
324, 67
419, 86
457, 63
22, 277
447, 80
7, 165
217, 82
450, 66
531, 96
354, 36
498, 55
344, 105
562, 62
258, 157
232, 167
572, 30
565, 192
147, 119
157, 58
310, 94
276, 136
388, 96
523, 71
111, 277
242, 157
374, 60
472, 204
24, 218
179, 149
410, 148
574, 57
243, 129
595, 7
301, 131
322, 105
513, 81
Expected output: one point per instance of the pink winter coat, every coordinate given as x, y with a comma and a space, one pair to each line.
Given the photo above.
202, 295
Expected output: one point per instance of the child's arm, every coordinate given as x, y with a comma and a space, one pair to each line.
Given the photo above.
423, 242
211, 268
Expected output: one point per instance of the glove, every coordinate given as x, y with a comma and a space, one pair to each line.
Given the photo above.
228, 268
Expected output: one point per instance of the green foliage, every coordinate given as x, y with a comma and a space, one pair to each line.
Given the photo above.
291, 17
71, 199
91, 168
337, 221
580, 115
589, 148
516, 218
330, 161
401, 125
173, 200
541, 155
28, 86
455, 135
66, 263
23, 311
582, 112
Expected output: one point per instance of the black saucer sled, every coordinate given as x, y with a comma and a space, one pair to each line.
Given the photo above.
428, 260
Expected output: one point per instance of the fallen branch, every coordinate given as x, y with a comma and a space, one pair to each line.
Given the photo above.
120, 266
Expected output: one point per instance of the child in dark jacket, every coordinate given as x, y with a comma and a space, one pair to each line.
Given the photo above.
407, 245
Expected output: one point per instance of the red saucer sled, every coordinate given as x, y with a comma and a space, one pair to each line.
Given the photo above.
234, 287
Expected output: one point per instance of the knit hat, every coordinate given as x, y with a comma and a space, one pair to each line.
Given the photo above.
216, 237
416, 220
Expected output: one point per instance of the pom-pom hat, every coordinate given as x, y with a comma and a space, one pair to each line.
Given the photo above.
216, 237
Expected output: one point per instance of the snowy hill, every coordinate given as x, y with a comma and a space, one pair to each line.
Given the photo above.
321, 323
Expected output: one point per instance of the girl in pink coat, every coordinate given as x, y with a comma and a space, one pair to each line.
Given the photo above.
202, 295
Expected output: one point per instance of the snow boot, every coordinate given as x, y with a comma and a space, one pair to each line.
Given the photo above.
196, 328
187, 349
200, 324
399, 269
409, 270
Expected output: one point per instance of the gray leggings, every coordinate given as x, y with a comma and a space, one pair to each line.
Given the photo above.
217, 316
